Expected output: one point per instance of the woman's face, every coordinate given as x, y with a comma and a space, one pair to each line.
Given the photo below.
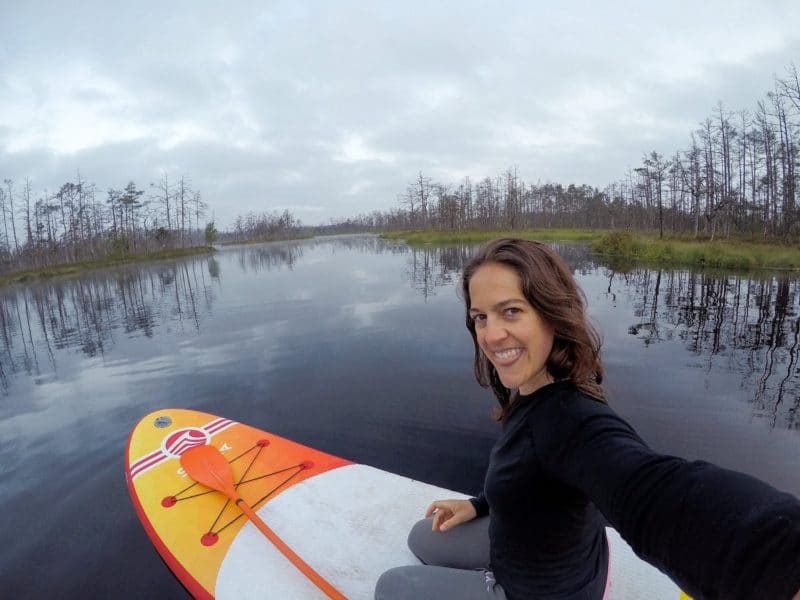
512, 335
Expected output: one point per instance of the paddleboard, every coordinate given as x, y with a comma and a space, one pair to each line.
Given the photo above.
348, 521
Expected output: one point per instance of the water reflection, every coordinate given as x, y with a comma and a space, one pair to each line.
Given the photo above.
747, 325
86, 313
266, 257
432, 267
256, 258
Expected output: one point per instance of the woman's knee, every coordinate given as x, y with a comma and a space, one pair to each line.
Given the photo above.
463, 547
419, 539
395, 584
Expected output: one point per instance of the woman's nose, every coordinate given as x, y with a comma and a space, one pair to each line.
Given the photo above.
495, 331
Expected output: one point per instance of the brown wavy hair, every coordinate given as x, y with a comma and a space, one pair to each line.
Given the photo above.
549, 287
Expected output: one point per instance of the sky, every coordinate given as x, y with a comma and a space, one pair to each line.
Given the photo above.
330, 109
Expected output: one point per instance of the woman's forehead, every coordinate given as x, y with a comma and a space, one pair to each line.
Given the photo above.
494, 283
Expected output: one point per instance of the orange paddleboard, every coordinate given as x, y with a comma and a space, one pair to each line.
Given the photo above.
191, 527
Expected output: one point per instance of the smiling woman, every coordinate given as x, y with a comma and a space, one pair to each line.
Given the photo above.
543, 297
508, 330
565, 463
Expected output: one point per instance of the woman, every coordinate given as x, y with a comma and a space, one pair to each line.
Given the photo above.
565, 460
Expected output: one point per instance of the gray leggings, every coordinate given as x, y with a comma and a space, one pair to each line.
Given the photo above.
455, 566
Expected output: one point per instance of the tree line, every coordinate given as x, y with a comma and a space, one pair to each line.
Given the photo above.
78, 223
264, 227
738, 174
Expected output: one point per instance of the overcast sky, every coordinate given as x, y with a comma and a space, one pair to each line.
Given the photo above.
331, 108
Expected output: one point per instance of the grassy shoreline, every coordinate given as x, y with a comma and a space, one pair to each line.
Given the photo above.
88, 265
732, 253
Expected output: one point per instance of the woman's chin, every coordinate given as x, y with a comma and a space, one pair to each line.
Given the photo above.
511, 383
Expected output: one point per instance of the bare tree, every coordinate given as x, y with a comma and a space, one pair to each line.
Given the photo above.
164, 197
12, 217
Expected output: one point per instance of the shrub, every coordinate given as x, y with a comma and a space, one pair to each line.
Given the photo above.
617, 243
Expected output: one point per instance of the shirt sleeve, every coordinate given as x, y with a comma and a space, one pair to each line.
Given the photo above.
480, 505
718, 533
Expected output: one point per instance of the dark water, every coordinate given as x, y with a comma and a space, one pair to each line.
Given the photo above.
355, 346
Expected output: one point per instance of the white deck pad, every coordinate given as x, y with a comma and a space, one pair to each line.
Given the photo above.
351, 525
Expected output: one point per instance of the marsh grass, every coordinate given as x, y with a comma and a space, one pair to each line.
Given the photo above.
87, 265
719, 254
625, 247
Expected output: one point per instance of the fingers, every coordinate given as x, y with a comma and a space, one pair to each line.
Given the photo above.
440, 514
450, 521
446, 514
439, 505
438, 518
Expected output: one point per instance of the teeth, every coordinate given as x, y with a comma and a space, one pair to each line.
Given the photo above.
507, 354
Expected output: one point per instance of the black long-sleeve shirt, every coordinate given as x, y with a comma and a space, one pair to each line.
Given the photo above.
563, 455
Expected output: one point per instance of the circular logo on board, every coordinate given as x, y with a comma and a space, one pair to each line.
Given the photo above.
162, 422
178, 442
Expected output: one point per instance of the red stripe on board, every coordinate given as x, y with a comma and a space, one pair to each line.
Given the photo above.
146, 458
145, 464
218, 425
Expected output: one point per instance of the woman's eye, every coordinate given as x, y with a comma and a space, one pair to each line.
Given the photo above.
478, 318
512, 312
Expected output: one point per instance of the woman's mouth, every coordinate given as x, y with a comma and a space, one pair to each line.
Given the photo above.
507, 356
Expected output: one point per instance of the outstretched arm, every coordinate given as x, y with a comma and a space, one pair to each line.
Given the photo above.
718, 533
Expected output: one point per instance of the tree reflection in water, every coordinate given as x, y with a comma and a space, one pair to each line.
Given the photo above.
86, 312
747, 322
269, 256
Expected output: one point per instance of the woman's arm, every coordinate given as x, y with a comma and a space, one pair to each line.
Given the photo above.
718, 533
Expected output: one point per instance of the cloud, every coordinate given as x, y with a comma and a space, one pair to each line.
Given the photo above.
355, 150
330, 109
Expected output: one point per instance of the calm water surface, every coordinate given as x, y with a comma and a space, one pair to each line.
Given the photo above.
353, 345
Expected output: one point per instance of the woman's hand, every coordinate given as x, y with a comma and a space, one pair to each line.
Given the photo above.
449, 513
